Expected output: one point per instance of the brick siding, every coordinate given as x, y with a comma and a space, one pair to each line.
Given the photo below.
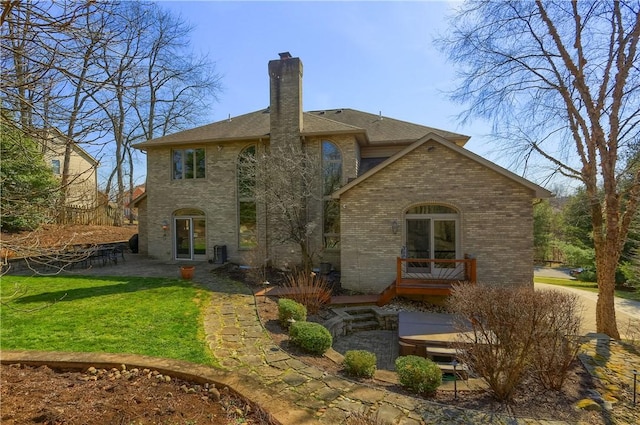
495, 213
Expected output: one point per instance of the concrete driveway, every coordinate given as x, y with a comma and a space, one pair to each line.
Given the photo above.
627, 311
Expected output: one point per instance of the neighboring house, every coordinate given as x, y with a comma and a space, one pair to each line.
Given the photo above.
403, 190
130, 211
83, 170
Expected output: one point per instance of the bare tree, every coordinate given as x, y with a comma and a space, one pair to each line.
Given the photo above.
110, 73
560, 80
284, 180
48, 71
156, 85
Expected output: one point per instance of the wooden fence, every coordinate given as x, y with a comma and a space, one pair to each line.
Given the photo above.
101, 215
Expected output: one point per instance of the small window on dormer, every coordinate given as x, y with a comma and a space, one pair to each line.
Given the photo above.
55, 165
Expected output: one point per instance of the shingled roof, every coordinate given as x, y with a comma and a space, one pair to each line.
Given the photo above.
370, 129
383, 130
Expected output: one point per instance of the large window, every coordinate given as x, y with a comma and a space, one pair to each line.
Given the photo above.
188, 164
247, 232
331, 181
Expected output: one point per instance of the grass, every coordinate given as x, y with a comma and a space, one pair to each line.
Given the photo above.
587, 286
150, 316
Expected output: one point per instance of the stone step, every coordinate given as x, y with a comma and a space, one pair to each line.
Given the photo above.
368, 325
368, 317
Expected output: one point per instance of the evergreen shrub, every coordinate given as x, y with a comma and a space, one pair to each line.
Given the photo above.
311, 337
418, 374
290, 309
360, 363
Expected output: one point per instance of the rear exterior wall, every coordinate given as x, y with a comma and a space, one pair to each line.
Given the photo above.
495, 218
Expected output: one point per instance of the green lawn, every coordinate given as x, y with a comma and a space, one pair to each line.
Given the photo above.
150, 316
587, 286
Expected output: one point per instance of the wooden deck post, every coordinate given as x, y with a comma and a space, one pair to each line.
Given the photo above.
472, 270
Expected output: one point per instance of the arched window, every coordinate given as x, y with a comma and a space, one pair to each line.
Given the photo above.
331, 181
432, 232
247, 228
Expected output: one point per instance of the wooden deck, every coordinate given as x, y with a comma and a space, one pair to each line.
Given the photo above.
430, 276
414, 277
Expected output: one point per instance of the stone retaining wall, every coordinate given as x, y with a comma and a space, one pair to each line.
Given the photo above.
342, 323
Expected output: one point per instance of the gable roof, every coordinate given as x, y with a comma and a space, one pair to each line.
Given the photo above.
369, 129
539, 191
54, 138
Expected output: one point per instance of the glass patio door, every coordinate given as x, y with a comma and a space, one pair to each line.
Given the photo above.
418, 244
430, 238
190, 238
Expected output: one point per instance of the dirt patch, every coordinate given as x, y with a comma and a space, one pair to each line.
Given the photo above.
56, 236
135, 397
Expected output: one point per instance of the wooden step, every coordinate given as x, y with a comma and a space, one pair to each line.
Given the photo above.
353, 300
461, 369
387, 295
442, 351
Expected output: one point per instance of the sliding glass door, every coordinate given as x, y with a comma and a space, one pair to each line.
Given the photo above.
190, 240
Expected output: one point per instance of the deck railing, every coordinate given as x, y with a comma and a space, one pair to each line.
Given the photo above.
425, 271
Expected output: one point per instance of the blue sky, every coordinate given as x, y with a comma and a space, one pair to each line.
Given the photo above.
371, 56
375, 56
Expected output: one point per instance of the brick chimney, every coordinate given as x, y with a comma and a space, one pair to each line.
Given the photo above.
285, 110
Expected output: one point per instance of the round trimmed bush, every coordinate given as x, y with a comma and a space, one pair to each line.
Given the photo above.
311, 337
418, 374
290, 309
360, 363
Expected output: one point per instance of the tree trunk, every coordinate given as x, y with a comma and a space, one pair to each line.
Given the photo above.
307, 261
607, 245
605, 308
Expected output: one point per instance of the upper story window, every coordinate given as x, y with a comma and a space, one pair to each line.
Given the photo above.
55, 164
331, 168
331, 181
188, 163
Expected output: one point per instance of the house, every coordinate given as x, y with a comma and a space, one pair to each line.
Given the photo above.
83, 169
131, 212
408, 202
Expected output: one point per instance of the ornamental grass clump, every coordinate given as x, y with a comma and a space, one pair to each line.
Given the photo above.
311, 337
308, 288
360, 363
290, 310
420, 375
